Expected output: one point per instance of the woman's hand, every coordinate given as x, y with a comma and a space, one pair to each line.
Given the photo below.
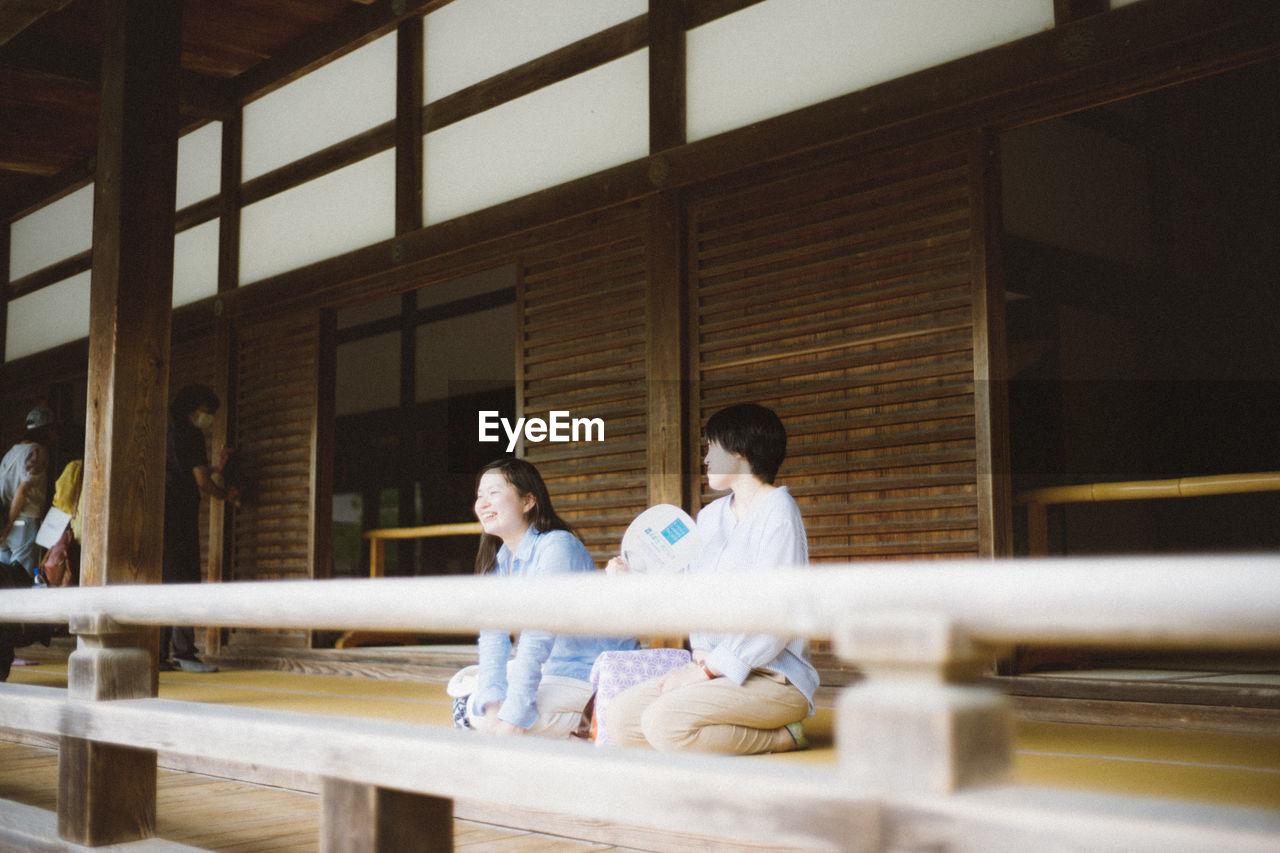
690, 673
616, 566
491, 725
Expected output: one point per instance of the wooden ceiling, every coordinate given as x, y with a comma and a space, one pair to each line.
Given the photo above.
51, 59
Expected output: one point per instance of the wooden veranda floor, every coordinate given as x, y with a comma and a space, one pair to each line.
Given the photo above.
199, 807
208, 813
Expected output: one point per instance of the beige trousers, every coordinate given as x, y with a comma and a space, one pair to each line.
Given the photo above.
561, 701
709, 716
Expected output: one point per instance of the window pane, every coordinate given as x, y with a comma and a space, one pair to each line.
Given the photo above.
579, 126
50, 316
471, 40
335, 102
199, 164
780, 55
339, 212
53, 233
195, 263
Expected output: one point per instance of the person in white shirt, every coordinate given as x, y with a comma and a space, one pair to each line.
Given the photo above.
742, 693
24, 486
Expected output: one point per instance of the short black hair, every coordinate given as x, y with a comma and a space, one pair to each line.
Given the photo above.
755, 432
192, 397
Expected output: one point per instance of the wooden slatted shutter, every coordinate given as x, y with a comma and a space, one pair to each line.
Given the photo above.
844, 298
581, 303
276, 383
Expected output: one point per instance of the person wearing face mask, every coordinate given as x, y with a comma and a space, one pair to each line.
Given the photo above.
742, 693
188, 474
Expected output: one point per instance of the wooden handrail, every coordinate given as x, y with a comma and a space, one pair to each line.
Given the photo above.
1037, 501
378, 539
1171, 601
919, 726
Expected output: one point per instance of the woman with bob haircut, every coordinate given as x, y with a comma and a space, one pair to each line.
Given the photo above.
741, 694
544, 689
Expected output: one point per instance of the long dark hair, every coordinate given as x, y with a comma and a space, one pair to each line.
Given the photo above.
526, 480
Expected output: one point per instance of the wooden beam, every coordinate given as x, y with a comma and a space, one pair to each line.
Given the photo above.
51, 274
699, 12
1066, 11
583, 55
230, 196
327, 160
409, 88
17, 15
666, 74
358, 25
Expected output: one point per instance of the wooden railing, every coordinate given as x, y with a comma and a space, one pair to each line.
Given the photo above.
923, 749
1038, 501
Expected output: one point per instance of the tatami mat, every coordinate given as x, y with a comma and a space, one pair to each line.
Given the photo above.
1222, 768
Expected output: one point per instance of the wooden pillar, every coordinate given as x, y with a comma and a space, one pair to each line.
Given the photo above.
131, 293
666, 305
107, 793
359, 818
990, 361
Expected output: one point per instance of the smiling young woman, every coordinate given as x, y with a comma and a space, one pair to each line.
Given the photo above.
544, 688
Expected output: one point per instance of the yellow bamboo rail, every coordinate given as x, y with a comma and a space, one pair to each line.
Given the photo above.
378, 568
1037, 501
378, 540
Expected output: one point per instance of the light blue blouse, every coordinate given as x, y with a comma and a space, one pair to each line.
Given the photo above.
538, 653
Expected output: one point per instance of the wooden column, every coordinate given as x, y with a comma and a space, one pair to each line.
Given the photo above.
666, 304
990, 358
131, 296
359, 818
131, 293
5, 231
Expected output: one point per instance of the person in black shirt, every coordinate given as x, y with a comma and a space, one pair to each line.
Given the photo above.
187, 475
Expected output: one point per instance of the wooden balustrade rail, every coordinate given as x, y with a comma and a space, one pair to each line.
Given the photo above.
923, 751
1037, 501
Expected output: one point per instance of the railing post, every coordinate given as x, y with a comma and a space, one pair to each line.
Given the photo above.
106, 793
360, 818
918, 722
